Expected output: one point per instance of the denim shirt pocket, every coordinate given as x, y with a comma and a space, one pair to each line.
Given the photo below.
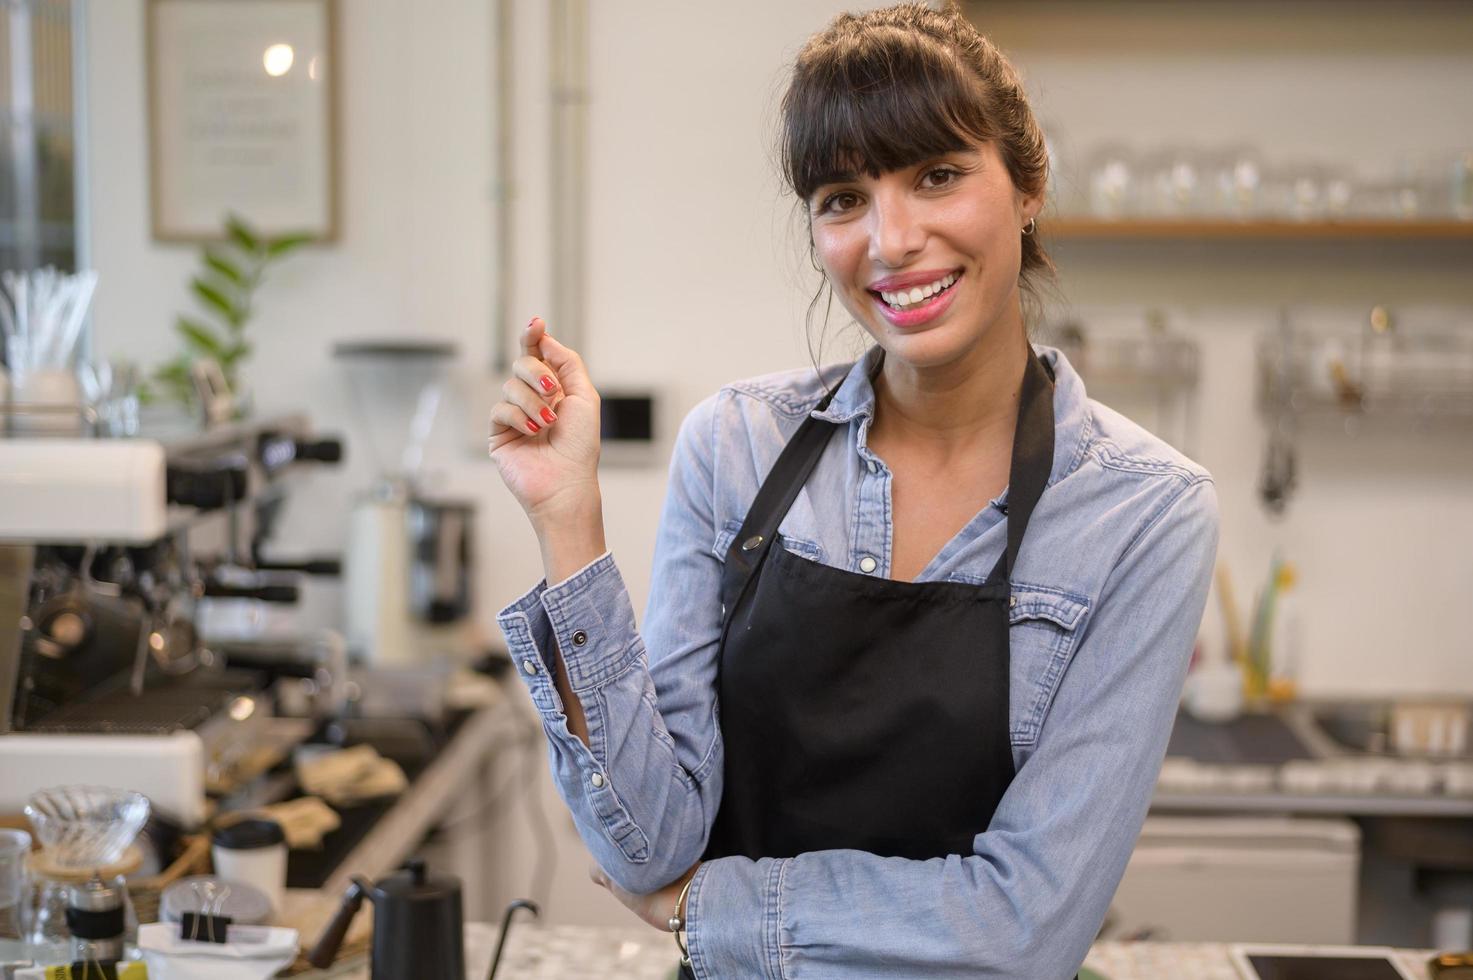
798, 546
1044, 625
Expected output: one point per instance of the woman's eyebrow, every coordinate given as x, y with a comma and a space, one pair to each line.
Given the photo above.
836, 177
965, 154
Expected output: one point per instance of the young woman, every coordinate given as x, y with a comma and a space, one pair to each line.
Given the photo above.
918, 624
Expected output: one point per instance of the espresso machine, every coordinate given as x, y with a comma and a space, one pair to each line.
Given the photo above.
110, 549
408, 576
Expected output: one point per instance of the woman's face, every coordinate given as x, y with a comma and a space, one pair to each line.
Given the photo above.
949, 228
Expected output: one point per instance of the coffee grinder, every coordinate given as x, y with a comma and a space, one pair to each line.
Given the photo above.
408, 575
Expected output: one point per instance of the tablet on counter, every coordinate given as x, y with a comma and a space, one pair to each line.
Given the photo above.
1316, 963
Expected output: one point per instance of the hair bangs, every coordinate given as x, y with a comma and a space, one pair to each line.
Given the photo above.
878, 105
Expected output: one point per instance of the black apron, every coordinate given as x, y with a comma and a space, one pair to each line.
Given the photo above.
862, 712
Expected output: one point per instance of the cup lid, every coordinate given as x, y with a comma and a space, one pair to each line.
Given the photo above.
248, 835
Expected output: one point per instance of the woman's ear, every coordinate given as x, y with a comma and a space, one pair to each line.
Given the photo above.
1030, 206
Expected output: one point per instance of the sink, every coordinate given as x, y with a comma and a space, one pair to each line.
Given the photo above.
1252, 739
1366, 727
1358, 727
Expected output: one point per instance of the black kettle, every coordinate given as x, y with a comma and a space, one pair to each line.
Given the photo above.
418, 933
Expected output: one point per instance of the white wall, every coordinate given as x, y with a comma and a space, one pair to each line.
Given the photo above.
696, 276
1381, 528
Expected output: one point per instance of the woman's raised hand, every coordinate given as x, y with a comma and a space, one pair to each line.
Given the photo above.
545, 430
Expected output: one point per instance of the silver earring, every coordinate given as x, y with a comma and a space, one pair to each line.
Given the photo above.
1032, 226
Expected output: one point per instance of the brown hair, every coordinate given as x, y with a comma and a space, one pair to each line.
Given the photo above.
889, 88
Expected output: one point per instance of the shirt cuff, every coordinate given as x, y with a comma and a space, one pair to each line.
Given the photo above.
741, 937
586, 618
528, 633
592, 623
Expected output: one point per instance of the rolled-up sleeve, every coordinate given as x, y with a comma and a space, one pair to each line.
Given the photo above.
1030, 899
644, 790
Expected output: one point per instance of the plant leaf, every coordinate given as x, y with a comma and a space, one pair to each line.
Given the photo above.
225, 267
175, 380
172, 370
242, 234
214, 297
201, 337
278, 247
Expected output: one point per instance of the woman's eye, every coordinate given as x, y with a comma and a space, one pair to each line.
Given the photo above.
842, 201
946, 176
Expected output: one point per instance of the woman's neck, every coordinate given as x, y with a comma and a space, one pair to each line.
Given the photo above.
953, 407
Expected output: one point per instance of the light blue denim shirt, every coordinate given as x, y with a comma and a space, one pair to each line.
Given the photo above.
1109, 587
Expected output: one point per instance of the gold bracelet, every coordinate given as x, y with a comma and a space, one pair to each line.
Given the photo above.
677, 921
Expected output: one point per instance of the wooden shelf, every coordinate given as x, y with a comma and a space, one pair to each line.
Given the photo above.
1256, 230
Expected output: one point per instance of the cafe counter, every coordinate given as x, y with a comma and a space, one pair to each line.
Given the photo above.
536, 952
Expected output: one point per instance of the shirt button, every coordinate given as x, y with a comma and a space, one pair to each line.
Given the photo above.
579, 638
597, 779
1012, 601
867, 564
529, 666
873, 466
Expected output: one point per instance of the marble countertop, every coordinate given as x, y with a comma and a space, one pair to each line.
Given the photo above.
569, 952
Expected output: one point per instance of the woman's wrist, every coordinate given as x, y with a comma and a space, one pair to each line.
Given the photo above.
679, 920
570, 535
682, 901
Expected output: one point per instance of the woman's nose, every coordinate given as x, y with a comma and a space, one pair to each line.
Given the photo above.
895, 234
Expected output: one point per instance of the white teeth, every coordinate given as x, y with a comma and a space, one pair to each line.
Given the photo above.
900, 300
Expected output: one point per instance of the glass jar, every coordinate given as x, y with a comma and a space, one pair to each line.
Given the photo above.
14, 846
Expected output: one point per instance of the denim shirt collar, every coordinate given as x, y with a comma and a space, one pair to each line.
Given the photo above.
855, 399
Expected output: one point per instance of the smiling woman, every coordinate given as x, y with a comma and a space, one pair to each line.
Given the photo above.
918, 624
917, 93
962, 212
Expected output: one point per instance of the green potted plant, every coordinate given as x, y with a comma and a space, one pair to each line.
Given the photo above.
225, 287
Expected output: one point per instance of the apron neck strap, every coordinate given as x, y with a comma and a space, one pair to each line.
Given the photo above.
1033, 458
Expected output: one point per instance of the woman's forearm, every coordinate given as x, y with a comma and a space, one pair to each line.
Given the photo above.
640, 768
641, 794
572, 707
569, 541
571, 537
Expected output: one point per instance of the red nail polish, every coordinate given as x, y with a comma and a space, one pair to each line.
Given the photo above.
548, 417
533, 426
548, 385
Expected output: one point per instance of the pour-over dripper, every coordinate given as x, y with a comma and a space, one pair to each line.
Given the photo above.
86, 826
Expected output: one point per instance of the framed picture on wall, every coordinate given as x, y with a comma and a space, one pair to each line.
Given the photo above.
241, 117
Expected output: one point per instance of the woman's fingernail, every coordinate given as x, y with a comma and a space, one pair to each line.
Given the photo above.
548, 417
548, 385
530, 322
533, 426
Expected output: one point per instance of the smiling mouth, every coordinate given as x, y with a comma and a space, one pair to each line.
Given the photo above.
909, 299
